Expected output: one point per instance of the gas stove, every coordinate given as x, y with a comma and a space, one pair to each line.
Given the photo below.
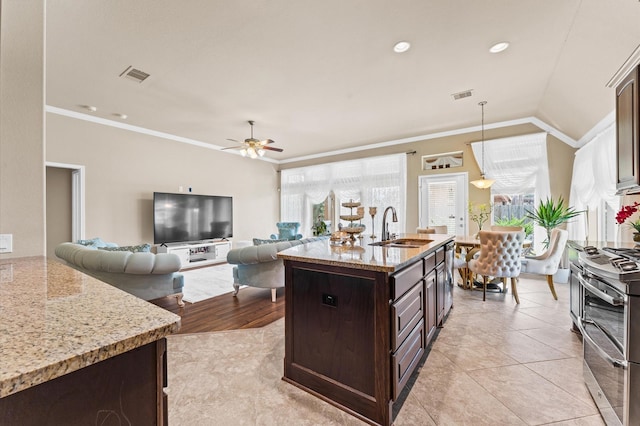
618, 266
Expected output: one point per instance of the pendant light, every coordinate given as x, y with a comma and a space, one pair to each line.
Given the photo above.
482, 183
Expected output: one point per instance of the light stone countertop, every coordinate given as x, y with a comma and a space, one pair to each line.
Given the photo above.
365, 256
55, 320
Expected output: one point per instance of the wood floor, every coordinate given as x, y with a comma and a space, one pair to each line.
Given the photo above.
251, 309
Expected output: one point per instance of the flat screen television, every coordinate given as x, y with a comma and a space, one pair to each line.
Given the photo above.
191, 217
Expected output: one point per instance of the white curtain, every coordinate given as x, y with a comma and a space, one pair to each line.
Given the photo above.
519, 166
374, 182
594, 180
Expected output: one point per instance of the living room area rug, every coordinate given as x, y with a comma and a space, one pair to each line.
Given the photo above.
207, 282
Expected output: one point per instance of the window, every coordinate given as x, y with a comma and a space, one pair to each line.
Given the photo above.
521, 170
374, 182
511, 210
322, 213
593, 188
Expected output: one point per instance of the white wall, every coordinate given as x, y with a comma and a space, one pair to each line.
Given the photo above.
22, 192
124, 168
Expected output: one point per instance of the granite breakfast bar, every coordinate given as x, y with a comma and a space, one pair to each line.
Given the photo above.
358, 319
75, 350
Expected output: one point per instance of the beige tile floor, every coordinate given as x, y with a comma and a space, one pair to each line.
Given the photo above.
493, 363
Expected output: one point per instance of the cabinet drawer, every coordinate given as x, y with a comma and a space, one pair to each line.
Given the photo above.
429, 263
440, 255
406, 359
402, 281
406, 313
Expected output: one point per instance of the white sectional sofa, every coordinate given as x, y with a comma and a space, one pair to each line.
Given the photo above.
144, 274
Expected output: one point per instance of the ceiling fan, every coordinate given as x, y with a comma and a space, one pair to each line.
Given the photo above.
253, 147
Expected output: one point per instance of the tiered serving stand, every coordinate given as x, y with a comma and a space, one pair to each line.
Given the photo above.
352, 228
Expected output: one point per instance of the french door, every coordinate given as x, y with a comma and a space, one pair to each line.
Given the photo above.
442, 200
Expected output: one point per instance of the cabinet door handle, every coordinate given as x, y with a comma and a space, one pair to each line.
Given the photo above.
617, 363
614, 301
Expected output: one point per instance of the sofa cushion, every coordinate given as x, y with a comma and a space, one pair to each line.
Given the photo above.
145, 248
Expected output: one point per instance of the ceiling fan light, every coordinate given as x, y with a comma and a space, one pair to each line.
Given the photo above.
243, 152
252, 152
261, 152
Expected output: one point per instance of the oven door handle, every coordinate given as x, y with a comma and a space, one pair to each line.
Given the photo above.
617, 363
601, 294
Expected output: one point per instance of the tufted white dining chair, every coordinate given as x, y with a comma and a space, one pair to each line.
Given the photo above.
549, 261
499, 257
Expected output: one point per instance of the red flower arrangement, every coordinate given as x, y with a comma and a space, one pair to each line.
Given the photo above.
626, 212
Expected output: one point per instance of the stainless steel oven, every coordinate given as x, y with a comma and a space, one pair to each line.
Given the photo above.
610, 326
602, 326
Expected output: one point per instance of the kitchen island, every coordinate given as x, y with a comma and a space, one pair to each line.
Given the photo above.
75, 350
358, 319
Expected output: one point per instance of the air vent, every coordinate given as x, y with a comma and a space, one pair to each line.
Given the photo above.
461, 95
134, 74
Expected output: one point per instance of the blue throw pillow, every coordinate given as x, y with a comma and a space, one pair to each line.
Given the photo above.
95, 243
259, 242
140, 248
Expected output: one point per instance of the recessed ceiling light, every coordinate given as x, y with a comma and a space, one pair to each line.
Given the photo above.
499, 47
121, 116
401, 46
89, 108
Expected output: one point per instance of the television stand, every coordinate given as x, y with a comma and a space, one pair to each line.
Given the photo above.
198, 253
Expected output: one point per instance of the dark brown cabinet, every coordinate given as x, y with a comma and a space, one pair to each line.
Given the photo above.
440, 293
125, 389
406, 314
430, 314
355, 336
627, 136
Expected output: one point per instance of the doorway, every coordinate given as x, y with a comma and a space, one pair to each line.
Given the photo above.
64, 204
442, 200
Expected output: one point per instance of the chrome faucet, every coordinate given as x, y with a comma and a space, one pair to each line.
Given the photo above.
385, 225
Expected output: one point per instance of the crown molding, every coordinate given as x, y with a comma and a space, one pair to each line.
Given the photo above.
142, 130
632, 61
527, 120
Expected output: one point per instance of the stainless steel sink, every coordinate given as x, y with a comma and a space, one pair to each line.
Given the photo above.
402, 242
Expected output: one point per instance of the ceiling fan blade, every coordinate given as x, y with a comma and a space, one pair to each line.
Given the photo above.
266, 141
233, 140
231, 147
270, 148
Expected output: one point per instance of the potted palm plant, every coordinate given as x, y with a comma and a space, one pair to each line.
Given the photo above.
551, 214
